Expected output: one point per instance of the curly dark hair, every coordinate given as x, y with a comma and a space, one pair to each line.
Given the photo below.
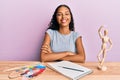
54, 24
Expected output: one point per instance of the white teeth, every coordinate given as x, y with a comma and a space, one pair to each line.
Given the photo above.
63, 21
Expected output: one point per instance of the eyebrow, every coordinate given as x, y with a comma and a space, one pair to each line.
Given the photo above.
65, 12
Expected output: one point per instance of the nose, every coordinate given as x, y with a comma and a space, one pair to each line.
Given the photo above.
63, 16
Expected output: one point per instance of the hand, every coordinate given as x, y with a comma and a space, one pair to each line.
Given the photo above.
70, 53
67, 55
46, 49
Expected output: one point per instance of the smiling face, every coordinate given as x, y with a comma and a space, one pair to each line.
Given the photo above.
63, 16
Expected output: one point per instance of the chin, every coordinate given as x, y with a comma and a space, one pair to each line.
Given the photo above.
64, 25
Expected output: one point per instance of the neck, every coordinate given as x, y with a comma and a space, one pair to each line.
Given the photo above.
64, 30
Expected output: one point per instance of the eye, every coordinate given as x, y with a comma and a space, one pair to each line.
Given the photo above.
58, 14
67, 13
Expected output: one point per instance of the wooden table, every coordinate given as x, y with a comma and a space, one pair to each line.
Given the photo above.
112, 73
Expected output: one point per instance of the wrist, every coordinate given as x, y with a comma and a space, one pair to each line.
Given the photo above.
66, 53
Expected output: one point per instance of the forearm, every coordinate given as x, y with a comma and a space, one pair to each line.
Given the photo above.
109, 48
74, 58
99, 31
53, 56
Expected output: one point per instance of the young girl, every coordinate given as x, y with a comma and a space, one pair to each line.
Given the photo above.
61, 42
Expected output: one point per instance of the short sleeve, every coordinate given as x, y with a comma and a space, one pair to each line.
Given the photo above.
76, 35
50, 33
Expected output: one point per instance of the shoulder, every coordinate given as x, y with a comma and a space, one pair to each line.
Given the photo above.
51, 32
75, 34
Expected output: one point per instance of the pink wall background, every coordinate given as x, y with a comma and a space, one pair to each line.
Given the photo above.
23, 23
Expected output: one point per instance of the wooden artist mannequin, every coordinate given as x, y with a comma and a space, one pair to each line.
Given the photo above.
104, 48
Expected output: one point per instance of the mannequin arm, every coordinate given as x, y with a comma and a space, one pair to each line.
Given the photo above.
99, 31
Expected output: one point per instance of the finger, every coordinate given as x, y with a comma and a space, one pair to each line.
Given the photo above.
45, 45
43, 51
46, 50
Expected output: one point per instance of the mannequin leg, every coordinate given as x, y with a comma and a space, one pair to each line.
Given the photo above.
101, 66
99, 59
104, 55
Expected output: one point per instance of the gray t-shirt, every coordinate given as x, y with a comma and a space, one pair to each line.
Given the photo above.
60, 42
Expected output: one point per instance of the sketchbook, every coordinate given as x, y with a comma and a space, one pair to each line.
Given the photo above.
69, 69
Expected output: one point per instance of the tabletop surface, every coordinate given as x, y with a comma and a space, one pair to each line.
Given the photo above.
112, 72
